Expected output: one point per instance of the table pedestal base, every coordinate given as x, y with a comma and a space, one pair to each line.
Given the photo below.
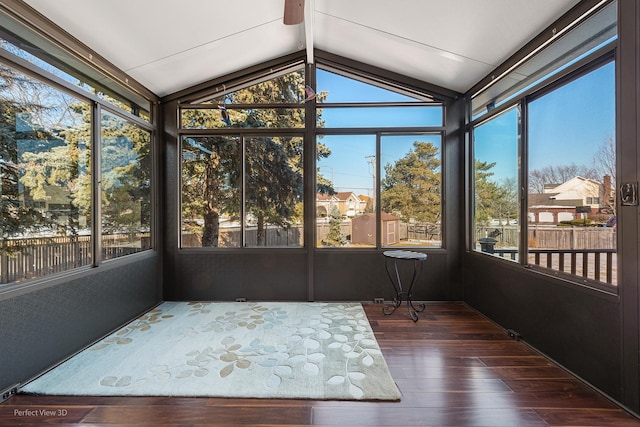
397, 302
400, 294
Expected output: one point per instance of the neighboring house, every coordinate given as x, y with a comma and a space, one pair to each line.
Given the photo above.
574, 199
324, 204
366, 201
348, 203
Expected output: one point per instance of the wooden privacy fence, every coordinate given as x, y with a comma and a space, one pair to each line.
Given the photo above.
41, 256
552, 237
588, 252
406, 231
229, 237
572, 238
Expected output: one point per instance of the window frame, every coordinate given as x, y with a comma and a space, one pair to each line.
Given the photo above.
97, 105
422, 98
310, 132
520, 109
100, 112
606, 55
243, 134
379, 133
206, 100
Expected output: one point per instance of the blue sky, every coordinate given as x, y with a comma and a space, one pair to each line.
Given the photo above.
352, 158
570, 124
350, 163
566, 126
343, 89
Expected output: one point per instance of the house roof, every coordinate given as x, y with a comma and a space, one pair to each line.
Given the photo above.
340, 196
322, 196
548, 200
573, 183
168, 46
344, 195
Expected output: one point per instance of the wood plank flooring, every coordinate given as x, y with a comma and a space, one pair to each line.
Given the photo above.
454, 368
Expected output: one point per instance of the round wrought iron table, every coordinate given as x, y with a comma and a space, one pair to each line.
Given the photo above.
418, 259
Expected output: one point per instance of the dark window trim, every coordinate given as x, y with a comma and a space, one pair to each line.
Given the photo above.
424, 93
470, 240
574, 17
35, 72
601, 57
96, 106
379, 133
580, 69
242, 134
384, 79
41, 26
237, 80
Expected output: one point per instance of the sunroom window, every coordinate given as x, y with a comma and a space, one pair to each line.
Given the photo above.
496, 183
61, 119
126, 187
544, 158
45, 166
242, 166
379, 166
572, 177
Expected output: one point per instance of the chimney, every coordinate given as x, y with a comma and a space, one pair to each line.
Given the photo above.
606, 190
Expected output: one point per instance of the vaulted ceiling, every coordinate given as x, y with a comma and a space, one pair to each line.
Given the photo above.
170, 45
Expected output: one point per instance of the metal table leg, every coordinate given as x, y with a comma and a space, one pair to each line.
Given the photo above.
400, 293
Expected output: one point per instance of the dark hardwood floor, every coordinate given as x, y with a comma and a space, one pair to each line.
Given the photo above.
454, 368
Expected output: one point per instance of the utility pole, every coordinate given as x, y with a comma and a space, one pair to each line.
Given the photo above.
371, 160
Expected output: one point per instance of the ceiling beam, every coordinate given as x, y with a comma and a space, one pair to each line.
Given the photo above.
308, 29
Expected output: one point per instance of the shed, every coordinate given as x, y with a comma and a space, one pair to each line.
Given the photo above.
364, 229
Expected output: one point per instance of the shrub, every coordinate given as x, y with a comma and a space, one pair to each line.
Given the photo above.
577, 223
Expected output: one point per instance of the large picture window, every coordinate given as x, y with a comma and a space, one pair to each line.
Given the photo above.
211, 192
496, 201
49, 142
126, 187
411, 190
45, 165
378, 165
572, 177
569, 163
346, 197
242, 191
407, 176
242, 186
543, 162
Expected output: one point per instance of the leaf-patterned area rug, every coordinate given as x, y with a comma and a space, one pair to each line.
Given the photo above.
323, 351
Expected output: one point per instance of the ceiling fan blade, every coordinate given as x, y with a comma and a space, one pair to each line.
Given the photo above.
293, 12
